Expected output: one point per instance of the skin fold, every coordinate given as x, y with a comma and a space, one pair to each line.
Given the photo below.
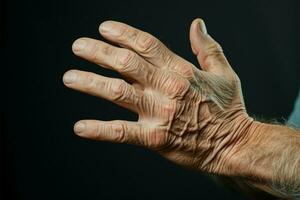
195, 117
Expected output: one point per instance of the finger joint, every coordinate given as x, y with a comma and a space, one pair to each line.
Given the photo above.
118, 132
126, 60
146, 43
119, 90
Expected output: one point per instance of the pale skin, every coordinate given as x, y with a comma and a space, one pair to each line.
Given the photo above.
195, 117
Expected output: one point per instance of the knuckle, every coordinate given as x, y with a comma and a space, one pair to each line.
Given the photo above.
185, 70
125, 60
90, 82
214, 49
177, 86
146, 43
118, 132
181, 86
98, 131
118, 89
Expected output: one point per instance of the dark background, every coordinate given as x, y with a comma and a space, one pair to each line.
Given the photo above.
41, 158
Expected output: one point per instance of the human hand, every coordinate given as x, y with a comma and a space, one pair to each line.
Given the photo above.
193, 117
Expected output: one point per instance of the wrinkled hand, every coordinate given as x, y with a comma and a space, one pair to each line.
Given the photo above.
193, 117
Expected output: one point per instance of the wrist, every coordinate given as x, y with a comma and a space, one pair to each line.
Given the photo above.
240, 130
228, 133
267, 159
239, 160
248, 154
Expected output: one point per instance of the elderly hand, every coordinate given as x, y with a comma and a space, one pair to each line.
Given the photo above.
193, 117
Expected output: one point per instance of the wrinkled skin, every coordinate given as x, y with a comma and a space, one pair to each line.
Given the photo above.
193, 117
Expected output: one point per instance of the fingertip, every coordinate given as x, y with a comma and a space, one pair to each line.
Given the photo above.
111, 28
79, 128
69, 77
195, 21
106, 26
202, 26
198, 26
194, 36
79, 44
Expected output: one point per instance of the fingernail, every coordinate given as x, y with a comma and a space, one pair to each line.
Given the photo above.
202, 26
79, 44
69, 77
79, 127
110, 28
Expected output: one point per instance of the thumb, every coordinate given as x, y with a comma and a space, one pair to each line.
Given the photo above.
209, 53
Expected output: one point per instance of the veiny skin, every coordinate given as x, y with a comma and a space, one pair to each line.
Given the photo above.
186, 114
195, 117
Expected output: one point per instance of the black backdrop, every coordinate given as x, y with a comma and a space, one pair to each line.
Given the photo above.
41, 158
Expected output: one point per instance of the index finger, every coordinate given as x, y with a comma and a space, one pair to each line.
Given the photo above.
146, 45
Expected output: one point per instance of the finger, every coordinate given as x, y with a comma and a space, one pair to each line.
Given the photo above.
122, 60
209, 53
119, 131
145, 45
112, 89
131, 65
